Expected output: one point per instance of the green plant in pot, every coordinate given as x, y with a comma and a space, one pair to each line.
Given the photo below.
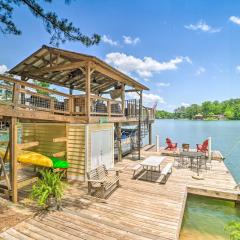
233, 229
48, 190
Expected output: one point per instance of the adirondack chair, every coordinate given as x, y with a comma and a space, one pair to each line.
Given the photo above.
170, 146
203, 147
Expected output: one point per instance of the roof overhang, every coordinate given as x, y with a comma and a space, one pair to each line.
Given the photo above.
67, 69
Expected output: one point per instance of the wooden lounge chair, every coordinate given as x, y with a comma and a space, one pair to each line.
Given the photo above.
170, 146
101, 183
203, 147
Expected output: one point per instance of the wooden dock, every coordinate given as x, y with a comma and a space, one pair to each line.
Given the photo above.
139, 209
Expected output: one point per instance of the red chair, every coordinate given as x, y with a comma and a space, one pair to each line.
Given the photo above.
170, 146
203, 147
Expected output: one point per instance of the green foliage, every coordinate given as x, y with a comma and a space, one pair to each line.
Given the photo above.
233, 229
163, 115
50, 185
42, 84
60, 29
230, 109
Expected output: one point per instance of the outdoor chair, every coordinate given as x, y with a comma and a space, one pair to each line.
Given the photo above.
101, 183
170, 146
203, 147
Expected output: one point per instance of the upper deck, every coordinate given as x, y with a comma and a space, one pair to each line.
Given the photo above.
29, 101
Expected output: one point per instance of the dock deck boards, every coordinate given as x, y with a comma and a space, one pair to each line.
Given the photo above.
139, 210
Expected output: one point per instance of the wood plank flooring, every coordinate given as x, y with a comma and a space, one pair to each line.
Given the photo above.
138, 210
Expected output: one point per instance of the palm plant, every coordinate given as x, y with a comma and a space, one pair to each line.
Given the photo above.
48, 190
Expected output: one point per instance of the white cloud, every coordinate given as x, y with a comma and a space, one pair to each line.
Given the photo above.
130, 40
109, 41
149, 99
238, 69
200, 70
3, 69
235, 20
163, 84
202, 26
185, 104
145, 67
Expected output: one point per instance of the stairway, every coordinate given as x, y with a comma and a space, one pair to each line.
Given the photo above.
144, 129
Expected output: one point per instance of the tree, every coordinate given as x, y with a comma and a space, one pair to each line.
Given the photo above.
44, 85
60, 30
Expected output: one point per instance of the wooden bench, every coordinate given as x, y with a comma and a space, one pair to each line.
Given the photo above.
167, 170
136, 170
101, 183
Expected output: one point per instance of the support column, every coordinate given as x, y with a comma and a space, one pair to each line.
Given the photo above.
150, 134
139, 125
13, 158
88, 92
209, 148
71, 101
119, 141
123, 99
71, 90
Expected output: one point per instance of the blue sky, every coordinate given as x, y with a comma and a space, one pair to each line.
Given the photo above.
184, 51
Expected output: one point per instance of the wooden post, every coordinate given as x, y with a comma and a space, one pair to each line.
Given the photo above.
13, 158
123, 99
23, 94
157, 143
88, 91
139, 125
70, 101
71, 90
209, 148
119, 141
15, 95
150, 134
109, 108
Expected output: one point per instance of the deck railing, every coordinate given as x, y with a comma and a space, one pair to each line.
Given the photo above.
30, 96
25, 95
132, 110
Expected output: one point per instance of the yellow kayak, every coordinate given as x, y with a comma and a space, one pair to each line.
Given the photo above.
31, 158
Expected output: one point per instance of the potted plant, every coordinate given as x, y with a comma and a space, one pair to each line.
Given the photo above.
48, 190
233, 229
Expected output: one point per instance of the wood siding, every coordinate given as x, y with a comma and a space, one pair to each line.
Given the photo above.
76, 150
44, 133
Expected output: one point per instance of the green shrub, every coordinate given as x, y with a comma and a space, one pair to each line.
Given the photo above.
49, 185
233, 229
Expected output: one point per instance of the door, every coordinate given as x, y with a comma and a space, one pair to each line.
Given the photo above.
102, 148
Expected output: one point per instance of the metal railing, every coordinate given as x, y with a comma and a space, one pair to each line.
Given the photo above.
132, 110
106, 107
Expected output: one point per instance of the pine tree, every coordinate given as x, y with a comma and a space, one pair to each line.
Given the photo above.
60, 30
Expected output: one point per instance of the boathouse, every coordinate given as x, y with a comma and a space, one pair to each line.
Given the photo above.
77, 123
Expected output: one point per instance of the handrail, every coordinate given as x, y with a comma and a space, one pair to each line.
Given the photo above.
31, 85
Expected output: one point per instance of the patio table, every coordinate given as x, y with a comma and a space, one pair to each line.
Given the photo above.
192, 156
152, 164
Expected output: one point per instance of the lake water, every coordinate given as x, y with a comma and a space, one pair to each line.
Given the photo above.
225, 137
205, 218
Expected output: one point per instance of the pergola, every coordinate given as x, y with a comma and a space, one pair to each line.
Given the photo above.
72, 70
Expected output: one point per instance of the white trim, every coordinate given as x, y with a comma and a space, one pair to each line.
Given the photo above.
209, 148
86, 150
